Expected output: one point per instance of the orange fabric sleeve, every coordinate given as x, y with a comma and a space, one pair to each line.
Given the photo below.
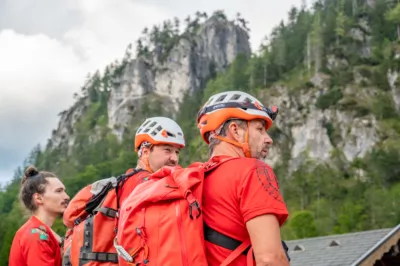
259, 194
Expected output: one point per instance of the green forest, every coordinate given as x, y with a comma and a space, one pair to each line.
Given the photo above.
322, 198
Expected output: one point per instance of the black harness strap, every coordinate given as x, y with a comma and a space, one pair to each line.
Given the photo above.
99, 256
227, 242
108, 211
222, 240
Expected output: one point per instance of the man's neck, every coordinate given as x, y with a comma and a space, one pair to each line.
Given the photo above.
141, 165
45, 218
225, 148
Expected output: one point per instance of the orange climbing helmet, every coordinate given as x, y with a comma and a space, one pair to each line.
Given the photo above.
229, 105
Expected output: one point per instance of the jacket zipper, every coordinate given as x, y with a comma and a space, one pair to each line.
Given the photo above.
185, 261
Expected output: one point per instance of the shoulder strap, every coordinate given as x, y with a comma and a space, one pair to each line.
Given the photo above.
121, 181
239, 251
96, 200
122, 178
238, 248
211, 165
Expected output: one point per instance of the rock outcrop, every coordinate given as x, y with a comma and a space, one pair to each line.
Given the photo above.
187, 68
306, 130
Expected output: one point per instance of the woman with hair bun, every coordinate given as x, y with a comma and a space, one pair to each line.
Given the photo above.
35, 243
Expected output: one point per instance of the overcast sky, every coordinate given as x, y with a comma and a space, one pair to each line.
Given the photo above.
47, 47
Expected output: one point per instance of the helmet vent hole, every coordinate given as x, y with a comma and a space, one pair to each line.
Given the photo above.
221, 98
235, 97
145, 124
153, 124
170, 134
155, 131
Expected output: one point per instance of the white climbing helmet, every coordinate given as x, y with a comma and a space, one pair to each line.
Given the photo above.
159, 130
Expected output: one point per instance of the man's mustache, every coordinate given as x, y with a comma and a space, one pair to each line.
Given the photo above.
171, 163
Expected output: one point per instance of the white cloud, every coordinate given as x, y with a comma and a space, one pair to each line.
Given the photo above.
108, 28
39, 74
37, 77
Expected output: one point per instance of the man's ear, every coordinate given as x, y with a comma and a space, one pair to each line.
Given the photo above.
235, 131
38, 199
145, 152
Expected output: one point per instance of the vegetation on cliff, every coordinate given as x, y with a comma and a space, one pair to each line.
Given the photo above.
322, 198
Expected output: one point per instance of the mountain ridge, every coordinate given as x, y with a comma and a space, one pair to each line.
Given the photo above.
333, 71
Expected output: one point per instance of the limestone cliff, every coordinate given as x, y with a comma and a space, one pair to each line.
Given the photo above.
189, 65
305, 128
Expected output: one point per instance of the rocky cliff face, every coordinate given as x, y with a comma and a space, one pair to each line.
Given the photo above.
187, 68
394, 83
306, 129
314, 133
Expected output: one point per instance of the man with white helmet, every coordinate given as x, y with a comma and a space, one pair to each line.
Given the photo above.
158, 142
90, 237
242, 203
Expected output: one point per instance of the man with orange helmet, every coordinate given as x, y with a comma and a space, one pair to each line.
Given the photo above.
242, 204
158, 142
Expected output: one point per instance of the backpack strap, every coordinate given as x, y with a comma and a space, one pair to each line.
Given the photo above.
238, 248
98, 256
94, 203
120, 184
212, 164
121, 181
107, 212
238, 251
222, 240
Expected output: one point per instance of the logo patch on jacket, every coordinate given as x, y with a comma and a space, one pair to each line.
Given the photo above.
41, 231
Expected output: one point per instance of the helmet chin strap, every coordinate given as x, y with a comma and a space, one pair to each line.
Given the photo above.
146, 162
244, 146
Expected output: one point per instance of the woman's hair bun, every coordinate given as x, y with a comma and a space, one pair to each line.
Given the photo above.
31, 171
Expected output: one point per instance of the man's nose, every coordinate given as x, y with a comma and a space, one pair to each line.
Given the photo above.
66, 196
174, 157
268, 140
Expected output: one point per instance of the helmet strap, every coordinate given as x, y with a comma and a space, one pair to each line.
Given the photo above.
145, 159
146, 162
244, 146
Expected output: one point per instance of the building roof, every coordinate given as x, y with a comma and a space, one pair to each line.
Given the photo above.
340, 250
